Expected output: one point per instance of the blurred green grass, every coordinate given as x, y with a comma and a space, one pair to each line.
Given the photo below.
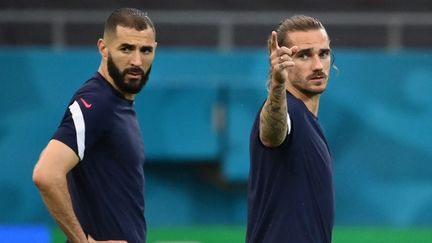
235, 234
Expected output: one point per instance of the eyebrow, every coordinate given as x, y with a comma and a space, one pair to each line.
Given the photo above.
310, 50
147, 48
133, 47
127, 46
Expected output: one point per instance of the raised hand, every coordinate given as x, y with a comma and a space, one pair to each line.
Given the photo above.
280, 59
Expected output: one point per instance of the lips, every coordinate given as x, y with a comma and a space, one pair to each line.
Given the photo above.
135, 73
134, 76
317, 76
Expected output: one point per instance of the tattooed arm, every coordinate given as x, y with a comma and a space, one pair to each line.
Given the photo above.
273, 116
274, 124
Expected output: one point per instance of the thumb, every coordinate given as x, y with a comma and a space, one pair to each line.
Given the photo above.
294, 50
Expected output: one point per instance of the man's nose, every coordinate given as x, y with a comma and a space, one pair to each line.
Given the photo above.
136, 59
317, 63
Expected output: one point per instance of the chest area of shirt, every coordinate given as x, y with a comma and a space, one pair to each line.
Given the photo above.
124, 139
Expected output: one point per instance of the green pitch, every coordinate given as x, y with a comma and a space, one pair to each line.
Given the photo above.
234, 234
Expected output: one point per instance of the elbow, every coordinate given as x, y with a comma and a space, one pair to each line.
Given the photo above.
273, 134
39, 178
43, 179
272, 142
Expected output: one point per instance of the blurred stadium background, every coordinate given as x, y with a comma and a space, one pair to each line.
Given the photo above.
207, 83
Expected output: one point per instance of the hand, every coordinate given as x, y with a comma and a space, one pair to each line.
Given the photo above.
280, 59
91, 240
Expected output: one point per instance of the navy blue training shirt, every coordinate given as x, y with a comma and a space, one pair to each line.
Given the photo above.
290, 192
107, 185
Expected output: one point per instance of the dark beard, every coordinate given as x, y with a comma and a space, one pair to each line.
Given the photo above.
134, 86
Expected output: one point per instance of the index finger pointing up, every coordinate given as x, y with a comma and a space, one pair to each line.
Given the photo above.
273, 42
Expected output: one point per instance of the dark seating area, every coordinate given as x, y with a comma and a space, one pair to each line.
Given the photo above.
227, 5
225, 24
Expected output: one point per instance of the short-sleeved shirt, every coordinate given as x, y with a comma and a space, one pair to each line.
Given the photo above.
290, 192
107, 185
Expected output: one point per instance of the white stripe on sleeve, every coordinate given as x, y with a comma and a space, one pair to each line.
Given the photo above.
288, 123
78, 120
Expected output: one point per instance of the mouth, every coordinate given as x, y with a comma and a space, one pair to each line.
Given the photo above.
318, 78
135, 74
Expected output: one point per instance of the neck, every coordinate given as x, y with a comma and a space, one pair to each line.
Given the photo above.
103, 70
311, 101
312, 104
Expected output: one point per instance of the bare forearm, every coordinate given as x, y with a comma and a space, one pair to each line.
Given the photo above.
57, 199
273, 116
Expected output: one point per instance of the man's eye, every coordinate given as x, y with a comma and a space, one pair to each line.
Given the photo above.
303, 56
325, 54
125, 49
146, 50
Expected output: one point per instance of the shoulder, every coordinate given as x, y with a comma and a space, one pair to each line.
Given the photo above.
92, 99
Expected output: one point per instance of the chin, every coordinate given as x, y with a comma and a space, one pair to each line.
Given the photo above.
320, 91
316, 91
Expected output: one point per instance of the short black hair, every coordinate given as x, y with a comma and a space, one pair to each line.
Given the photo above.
130, 18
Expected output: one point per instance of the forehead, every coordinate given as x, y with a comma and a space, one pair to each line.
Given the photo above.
316, 39
125, 35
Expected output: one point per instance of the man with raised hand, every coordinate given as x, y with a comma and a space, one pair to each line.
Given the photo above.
290, 192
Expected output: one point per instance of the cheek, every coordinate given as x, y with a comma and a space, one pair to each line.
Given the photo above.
299, 72
148, 59
326, 64
147, 62
117, 59
295, 76
122, 61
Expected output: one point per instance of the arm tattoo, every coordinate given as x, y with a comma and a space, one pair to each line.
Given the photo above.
273, 116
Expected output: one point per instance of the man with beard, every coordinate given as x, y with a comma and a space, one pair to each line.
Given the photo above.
290, 192
90, 175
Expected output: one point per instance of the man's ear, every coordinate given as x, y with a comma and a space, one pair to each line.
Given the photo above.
102, 48
155, 47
